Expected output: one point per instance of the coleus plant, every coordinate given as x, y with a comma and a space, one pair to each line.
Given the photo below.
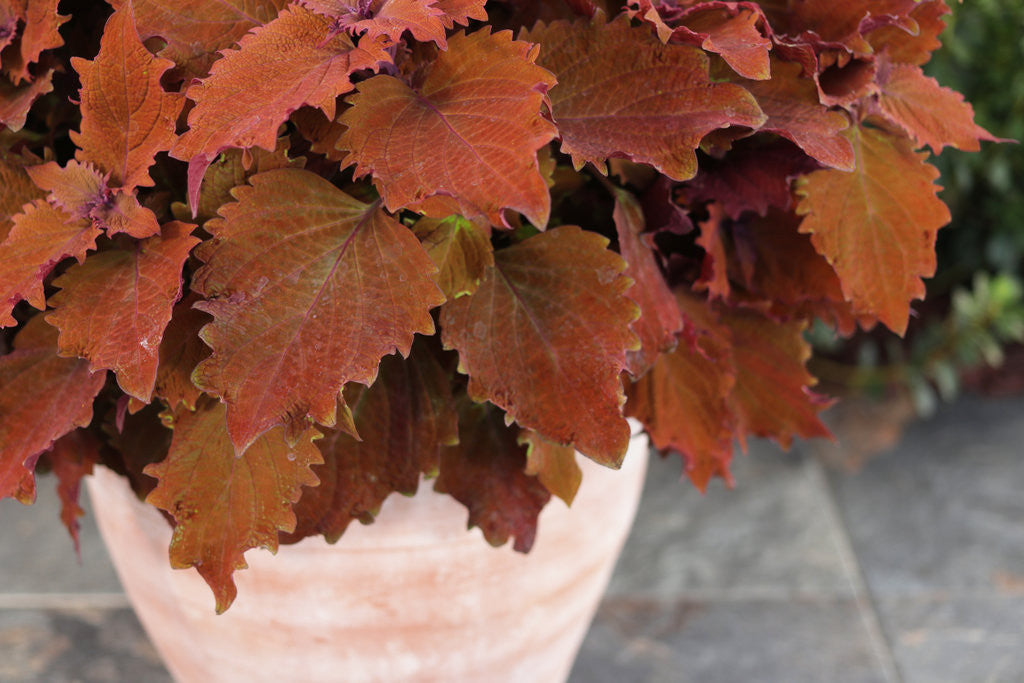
274, 260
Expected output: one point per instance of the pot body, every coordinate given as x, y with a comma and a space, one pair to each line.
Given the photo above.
412, 597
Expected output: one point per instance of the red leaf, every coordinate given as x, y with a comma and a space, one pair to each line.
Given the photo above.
224, 505
876, 225
794, 112
485, 472
545, 337
930, 114
554, 465
195, 30
292, 61
71, 459
127, 118
838, 22
15, 101
304, 301
461, 251
403, 419
42, 398
40, 238
80, 190
602, 67
714, 275
470, 131
113, 308
659, 314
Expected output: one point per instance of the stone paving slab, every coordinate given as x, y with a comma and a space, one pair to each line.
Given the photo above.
792, 641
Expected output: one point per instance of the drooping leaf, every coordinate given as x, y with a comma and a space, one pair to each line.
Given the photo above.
127, 117
181, 350
403, 420
81, 191
113, 308
772, 397
553, 464
42, 398
659, 320
470, 132
684, 402
838, 22
485, 472
930, 114
41, 237
196, 30
40, 32
15, 100
460, 249
876, 225
139, 440
791, 104
304, 301
714, 275
72, 458
224, 505
292, 61
545, 337
621, 92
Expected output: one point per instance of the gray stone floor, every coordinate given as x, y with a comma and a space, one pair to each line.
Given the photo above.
910, 570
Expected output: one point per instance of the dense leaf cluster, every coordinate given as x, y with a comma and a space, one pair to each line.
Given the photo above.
327, 247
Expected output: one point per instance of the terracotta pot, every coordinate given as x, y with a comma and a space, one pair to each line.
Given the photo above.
413, 597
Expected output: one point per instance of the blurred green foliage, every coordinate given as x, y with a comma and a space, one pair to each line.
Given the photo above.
976, 301
983, 47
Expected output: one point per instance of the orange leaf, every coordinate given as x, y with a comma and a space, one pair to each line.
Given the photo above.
15, 101
930, 114
385, 18
877, 224
113, 308
460, 250
40, 32
461, 11
127, 118
485, 472
42, 397
659, 314
181, 350
732, 32
41, 237
903, 44
19, 190
224, 505
545, 337
80, 190
794, 112
196, 30
771, 397
292, 61
304, 301
554, 465
403, 419
684, 402
471, 131
621, 92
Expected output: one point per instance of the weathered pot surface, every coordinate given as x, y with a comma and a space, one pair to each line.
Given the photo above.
412, 597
